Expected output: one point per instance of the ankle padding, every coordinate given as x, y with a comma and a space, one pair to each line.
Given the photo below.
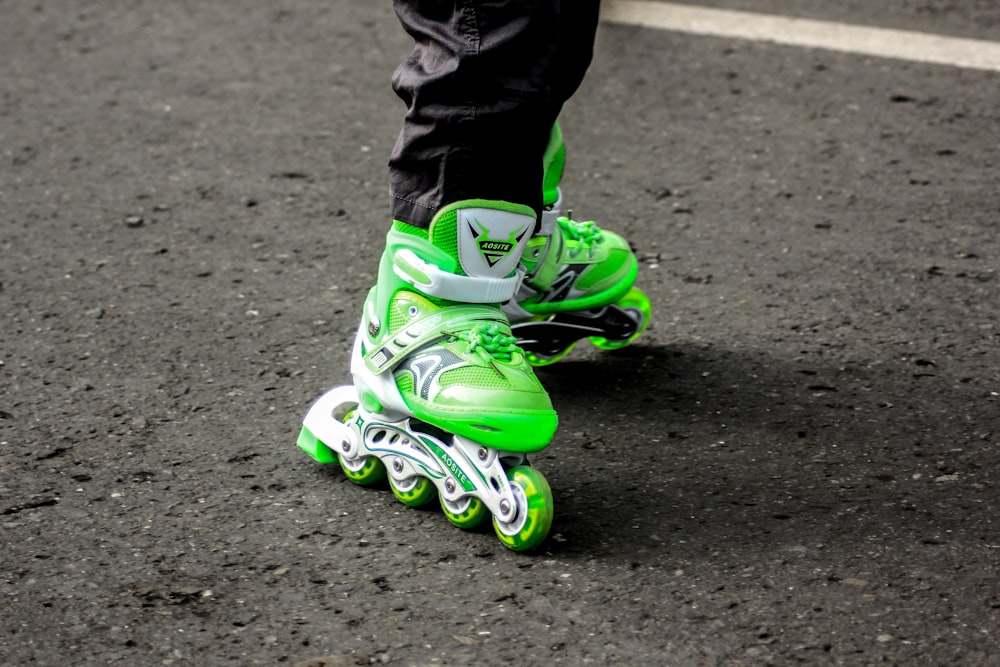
550, 214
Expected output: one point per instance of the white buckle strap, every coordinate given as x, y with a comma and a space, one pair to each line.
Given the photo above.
432, 281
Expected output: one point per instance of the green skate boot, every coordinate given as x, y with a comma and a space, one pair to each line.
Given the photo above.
444, 402
579, 281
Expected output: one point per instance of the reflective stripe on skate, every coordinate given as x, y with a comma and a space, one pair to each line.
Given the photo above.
830, 35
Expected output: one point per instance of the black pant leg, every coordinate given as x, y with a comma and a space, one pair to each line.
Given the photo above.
483, 85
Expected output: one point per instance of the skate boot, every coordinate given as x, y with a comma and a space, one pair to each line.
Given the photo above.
579, 281
444, 403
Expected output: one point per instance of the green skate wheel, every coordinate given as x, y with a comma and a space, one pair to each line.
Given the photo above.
467, 514
636, 302
537, 360
535, 511
365, 471
413, 492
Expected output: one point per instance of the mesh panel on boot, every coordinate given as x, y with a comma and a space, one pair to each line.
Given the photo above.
446, 232
404, 382
474, 376
398, 315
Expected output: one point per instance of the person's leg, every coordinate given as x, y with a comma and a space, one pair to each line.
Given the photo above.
446, 400
578, 21
574, 52
464, 179
482, 88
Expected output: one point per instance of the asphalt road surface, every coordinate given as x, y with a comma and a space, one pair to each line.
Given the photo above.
797, 464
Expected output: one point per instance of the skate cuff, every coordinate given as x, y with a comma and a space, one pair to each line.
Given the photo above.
432, 281
550, 215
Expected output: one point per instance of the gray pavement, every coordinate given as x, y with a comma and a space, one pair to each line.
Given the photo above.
797, 464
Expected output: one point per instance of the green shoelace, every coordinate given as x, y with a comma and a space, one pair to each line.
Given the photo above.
491, 338
585, 233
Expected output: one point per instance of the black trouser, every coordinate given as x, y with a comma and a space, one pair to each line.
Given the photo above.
484, 84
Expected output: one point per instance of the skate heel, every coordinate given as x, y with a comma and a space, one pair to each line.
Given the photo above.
324, 432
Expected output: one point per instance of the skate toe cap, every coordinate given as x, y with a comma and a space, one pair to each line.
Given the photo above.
515, 421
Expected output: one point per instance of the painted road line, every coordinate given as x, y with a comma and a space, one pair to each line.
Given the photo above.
881, 42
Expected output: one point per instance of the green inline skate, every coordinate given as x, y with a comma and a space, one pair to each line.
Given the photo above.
444, 403
579, 281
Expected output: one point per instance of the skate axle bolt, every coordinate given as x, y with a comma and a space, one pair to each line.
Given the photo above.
397, 464
345, 445
505, 507
449, 485
483, 453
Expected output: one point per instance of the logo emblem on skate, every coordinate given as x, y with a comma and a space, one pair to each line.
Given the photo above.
452, 465
494, 250
491, 240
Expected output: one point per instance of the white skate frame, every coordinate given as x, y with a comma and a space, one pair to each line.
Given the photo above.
459, 470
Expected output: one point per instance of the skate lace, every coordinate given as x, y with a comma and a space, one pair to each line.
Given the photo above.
491, 338
586, 234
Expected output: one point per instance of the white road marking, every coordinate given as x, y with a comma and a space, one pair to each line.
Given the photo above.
881, 42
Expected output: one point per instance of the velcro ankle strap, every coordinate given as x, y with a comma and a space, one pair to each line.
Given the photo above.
432, 281
425, 330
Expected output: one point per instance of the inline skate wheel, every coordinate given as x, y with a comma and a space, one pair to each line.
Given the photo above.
365, 470
466, 514
636, 303
413, 492
535, 511
537, 360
